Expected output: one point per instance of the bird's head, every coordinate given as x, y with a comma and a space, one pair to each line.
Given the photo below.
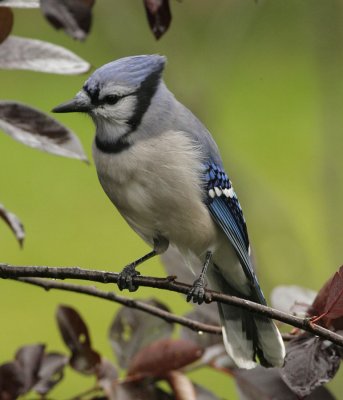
119, 92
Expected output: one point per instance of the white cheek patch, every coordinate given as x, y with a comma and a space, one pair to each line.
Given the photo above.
125, 108
120, 112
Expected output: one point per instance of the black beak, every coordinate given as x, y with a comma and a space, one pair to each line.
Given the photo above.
80, 103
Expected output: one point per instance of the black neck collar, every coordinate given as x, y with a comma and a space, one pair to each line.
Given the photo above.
110, 147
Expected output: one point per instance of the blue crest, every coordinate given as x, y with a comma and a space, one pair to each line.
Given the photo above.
128, 71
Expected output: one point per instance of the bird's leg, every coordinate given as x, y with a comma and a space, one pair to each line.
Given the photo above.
197, 292
129, 272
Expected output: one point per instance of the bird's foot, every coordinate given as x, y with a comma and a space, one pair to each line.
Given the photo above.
197, 292
125, 278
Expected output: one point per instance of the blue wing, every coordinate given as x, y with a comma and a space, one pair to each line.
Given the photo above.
225, 209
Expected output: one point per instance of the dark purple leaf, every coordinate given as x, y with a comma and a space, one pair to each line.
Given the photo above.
29, 359
266, 384
133, 329
164, 355
85, 361
310, 362
14, 223
75, 335
159, 16
36, 55
50, 372
20, 3
73, 16
334, 304
12, 381
6, 22
35, 129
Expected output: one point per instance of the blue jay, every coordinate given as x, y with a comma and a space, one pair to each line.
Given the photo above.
161, 168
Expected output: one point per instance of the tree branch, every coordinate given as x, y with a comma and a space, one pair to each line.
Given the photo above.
169, 283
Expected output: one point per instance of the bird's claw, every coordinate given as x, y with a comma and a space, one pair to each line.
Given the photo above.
197, 292
125, 278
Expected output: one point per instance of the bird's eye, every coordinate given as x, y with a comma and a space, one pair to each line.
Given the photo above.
111, 99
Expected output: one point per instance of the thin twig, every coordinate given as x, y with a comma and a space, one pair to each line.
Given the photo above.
139, 305
15, 272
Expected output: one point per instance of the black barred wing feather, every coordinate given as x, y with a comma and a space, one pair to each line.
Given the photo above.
219, 186
225, 209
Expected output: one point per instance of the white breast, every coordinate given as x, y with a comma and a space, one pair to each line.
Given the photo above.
156, 185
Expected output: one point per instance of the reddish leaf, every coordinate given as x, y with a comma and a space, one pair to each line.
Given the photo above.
328, 305
14, 223
318, 306
12, 383
310, 362
6, 22
133, 329
50, 372
334, 304
163, 356
36, 55
73, 16
159, 16
35, 129
75, 335
29, 359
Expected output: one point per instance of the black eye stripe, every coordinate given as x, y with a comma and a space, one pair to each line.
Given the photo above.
113, 98
110, 99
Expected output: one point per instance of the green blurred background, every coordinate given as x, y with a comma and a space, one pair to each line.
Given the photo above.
266, 79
